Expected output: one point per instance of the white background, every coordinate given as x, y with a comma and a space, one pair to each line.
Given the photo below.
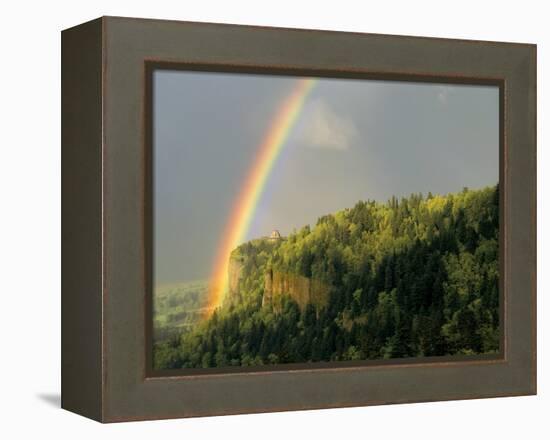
30, 219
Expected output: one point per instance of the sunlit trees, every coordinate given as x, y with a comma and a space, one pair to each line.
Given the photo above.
413, 277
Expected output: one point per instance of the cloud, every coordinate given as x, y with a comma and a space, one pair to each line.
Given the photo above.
443, 93
324, 128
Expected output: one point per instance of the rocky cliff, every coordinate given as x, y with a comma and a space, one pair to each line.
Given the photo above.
236, 267
301, 289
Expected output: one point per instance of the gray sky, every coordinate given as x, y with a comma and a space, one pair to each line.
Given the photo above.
354, 140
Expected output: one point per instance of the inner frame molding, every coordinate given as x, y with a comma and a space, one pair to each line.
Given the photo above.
150, 66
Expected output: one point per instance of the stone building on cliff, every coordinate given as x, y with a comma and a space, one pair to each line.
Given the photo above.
275, 236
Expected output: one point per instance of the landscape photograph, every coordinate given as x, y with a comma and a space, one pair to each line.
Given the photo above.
301, 220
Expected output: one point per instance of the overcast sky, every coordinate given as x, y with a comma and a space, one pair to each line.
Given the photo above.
354, 140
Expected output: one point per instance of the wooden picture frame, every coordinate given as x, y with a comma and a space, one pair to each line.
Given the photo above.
106, 216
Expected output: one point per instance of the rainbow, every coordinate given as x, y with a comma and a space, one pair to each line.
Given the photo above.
244, 207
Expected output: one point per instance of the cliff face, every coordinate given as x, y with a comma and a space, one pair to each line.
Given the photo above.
236, 267
301, 289
277, 284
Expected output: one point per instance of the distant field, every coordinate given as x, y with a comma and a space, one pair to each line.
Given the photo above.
176, 307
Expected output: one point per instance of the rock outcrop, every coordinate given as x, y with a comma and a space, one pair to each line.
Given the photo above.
277, 285
301, 289
235, 275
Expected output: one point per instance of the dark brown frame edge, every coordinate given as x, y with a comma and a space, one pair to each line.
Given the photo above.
152, 66
104, 228
81, 213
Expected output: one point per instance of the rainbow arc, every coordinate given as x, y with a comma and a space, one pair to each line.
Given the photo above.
244, 207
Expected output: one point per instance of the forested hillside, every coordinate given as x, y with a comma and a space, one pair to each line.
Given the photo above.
177, 308
412, 277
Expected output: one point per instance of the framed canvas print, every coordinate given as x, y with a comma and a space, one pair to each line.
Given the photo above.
263, 219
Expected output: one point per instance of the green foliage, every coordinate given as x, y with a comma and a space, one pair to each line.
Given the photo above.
412, 277
177, 308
